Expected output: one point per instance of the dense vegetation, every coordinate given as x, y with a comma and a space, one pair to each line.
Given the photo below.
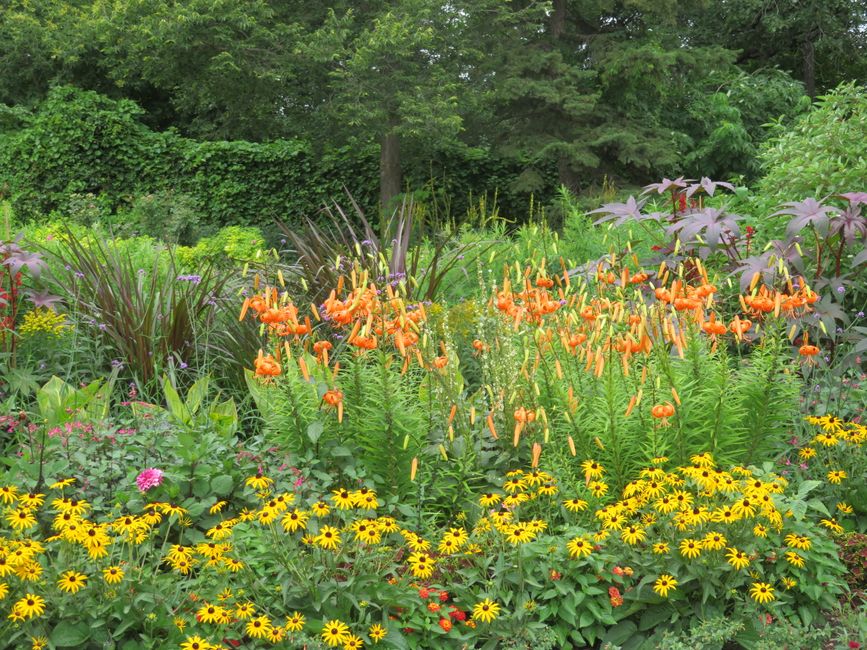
354, 324
451, 100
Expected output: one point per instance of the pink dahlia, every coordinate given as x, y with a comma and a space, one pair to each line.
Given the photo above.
149, 478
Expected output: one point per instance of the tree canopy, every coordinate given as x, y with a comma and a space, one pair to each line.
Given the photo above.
564, 91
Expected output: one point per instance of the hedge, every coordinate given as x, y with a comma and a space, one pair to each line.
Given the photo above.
82, 143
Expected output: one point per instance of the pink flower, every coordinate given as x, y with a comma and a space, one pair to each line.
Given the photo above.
149, 478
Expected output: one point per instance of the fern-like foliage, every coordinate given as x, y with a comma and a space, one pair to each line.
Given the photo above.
289, 408
768, 392
383, 420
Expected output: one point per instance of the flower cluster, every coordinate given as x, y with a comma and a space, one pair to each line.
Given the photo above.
43, 321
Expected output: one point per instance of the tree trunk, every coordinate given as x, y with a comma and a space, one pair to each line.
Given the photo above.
558, 19
809, 51
389, 170
567, 175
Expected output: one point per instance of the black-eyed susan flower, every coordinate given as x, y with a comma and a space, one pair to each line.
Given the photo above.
31, 500
598, 488
328, 538
760, 530
661, 548
788, 582
724, 516
209, 613
342, 499
295, 622
335, 633
486, 611
800, 542
794, 559
8, 494
421, 565
258, 482
690, 548
196, 643
244, 611
592, 469
633, 535
365, 499
112, 574
836, 476
29, 606
832, 524
714, 541
276, 634
320, 509
664, 584
415, 541
514, 485
72, 582
376, 632
762, 592
218, 507
579, 547
21, 518
295, 520
29, 570
259, 627
738, 559
575, 505
665, 505
845, 508
367, 531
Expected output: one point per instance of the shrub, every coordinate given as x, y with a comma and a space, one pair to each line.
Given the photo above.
823, 153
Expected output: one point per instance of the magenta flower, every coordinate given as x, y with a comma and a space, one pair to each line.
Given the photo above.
149, 478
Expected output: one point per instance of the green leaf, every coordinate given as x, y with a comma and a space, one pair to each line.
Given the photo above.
176, 407
653, 616
314, 431
70, 635
620, 632
806, 487
222, 485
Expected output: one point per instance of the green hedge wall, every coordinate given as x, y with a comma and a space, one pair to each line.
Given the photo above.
79, 143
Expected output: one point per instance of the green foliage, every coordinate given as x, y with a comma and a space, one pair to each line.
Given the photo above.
381, 425
727, 122
80, 143
230, 245
149, 317
825, 152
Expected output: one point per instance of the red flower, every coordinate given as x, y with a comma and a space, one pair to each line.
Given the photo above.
615, 597
424, 592
444, 596
445, 624
458, 614
617, 571
433, 607
854, 645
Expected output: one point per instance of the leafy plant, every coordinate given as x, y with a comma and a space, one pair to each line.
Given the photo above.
147, 317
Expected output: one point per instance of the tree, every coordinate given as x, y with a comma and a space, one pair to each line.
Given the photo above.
822, 42
394, 80
588, 85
